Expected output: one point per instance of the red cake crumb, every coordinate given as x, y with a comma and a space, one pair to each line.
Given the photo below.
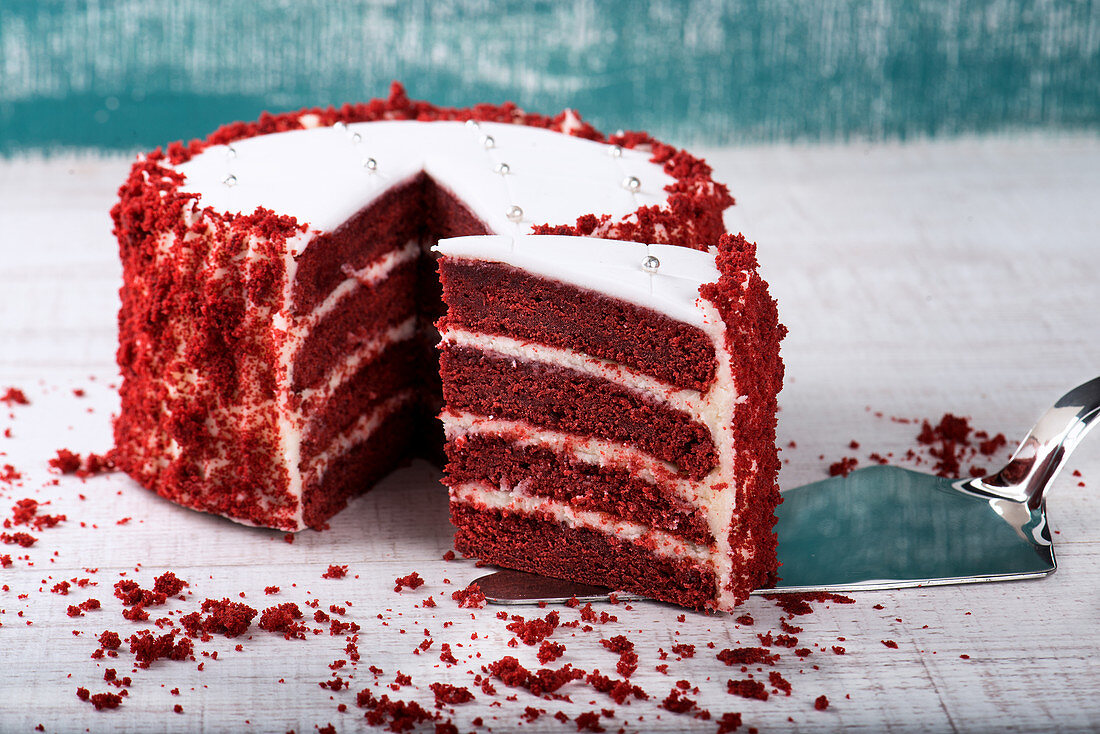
14, 396
470, 597
448, 695
68, 462
339, 572
8, 474
25, 512
588, 721
821, 703
271, 590
449, 555
789, 628
148, 648
534, 631
799, 604
947, 441
105, 700
550, 651
747, 656
628, 659
177, 709
225, 617
412, 581
786, 641
23, 540
281, 618
837, 649
131, 594
683, 650
531, 713
546, 680
778, 681
729, 722
844, 467
677, 703
446, 656
618, 690
396, 715
890, 644
110, 640
5, 560
747, 688
168, 584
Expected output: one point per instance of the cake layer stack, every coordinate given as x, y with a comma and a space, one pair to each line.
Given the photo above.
610, 412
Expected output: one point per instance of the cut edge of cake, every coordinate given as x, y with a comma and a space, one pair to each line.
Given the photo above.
545, 479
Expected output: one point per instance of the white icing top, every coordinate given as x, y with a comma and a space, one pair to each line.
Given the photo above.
323, 176
608, 266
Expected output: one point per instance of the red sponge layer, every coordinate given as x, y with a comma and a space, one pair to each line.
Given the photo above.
565, 400
495, 298
498, 462
545, 546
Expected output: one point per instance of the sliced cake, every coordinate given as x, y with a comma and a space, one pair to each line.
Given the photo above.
609, 410
275, 334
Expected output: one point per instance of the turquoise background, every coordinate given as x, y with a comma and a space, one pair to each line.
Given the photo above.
134, 74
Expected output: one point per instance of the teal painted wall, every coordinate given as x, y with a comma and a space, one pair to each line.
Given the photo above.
133, 74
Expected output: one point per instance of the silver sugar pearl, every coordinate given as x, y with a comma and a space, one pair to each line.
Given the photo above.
356, 138
230, 180
340, 125
472, 124
230, 152
514, 214
631, 183
615, 151
650, 264
503, 169
370, 164
488, 142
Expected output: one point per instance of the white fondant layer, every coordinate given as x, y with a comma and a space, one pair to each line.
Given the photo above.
319, 175
610, 267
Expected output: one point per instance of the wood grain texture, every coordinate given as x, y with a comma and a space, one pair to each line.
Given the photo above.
134, 74
915, 279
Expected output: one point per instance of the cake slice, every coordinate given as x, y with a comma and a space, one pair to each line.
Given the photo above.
609, 410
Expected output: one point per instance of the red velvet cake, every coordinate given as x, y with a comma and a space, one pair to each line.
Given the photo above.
276, 336
610, 412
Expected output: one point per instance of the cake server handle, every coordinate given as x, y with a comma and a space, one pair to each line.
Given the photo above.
1042, 454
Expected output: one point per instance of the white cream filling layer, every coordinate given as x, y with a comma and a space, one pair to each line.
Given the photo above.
682, 399
661, 542
584, 449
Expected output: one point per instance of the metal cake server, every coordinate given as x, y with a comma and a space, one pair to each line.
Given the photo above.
883, 527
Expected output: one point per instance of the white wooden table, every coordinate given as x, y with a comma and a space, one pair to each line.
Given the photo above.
915, 279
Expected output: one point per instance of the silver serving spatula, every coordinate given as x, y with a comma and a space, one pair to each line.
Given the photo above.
886, 528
